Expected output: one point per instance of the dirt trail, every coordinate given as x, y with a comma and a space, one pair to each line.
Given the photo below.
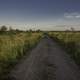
46, 62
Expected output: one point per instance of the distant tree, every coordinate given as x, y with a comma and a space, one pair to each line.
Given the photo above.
3, 28
11, 29
17, 30
67, 30
72, 29
38, 30
30, 30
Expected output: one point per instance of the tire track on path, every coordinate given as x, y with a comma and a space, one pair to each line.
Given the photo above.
46, 62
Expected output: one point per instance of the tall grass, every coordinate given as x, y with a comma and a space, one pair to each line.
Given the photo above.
13, 47
71, 42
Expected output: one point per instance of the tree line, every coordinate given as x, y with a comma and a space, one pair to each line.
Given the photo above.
5, 28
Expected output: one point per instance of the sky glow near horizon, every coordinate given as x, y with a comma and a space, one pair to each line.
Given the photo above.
40, 14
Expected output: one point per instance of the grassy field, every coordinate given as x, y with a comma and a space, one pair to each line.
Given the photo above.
71, 42
13, 46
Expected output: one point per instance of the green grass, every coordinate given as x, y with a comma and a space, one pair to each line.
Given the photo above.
71, 42
13, 47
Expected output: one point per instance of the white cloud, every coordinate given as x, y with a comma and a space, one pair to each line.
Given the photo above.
74, 15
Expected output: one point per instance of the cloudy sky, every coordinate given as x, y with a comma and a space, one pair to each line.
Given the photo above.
40, 14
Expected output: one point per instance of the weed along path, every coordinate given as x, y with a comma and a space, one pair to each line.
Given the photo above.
46, 62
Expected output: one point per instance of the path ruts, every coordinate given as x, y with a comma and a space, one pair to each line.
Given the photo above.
46, 62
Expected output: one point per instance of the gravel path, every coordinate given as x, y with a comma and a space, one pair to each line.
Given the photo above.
46, 62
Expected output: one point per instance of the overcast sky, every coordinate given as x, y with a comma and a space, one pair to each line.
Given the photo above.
40, 14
